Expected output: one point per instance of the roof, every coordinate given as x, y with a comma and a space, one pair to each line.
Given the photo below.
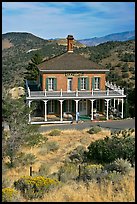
69, 62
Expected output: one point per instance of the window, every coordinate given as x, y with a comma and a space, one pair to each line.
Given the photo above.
96, 83
83, 84
51, 84
69, 106
51, 106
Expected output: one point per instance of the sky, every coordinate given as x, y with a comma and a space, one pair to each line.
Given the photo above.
58, 19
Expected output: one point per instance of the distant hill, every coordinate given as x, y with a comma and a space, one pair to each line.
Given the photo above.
63, 41
25, 40
17, 50
124, 36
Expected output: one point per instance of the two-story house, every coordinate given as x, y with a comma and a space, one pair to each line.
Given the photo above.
71, 83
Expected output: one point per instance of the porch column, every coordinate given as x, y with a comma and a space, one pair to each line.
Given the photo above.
76, 109
61, 102
92, 108
122, 108
107, 100
118, 105
114, 103
45, 110
29, 113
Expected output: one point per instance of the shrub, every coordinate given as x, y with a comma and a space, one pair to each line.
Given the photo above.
8, 194
43, 170
92, 171
35, 140
109, 149
68, 172
94, 130
52, 146
77, 155
34, 187
55, 132
47, 147
26, 159
119, 165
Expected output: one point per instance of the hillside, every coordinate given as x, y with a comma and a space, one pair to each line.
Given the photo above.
49, 158
124, 36
17, 51
119, 57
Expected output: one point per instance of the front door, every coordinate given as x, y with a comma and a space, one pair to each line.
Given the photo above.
83, 107
69, 84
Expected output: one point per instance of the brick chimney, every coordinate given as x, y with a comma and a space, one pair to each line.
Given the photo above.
70, 43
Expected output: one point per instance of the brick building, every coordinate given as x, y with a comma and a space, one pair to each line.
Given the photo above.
70, 84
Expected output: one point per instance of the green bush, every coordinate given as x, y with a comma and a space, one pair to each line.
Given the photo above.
109, 149
25, 159
35, 140
94, 130
119, 165
91, 172
77, 155
68, 172
34, 187
55, 132
43, 170
47, 147
9, 194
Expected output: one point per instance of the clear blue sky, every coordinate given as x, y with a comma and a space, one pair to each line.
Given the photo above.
58, 19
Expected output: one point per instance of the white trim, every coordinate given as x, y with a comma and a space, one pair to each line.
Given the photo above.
86, 70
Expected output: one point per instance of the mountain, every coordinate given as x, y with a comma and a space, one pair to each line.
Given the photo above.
124, 36
63, 41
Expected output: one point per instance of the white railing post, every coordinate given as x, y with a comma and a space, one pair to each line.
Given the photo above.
122, 108
76, 92
45, 92
92, 92
122, 91
29, 91
107, 92
61, 92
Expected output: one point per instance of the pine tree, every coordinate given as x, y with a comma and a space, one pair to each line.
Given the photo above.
32, 70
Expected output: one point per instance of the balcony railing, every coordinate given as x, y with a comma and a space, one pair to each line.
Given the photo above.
113, 91
72, 93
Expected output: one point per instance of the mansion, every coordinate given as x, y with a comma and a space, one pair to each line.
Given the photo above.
71, 87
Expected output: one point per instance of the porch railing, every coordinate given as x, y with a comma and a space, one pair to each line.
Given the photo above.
73, 93
112, 90
114, 87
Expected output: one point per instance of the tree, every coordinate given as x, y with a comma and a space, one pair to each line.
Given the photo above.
15, 113
32, 70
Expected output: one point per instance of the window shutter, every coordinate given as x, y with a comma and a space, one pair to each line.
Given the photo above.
79, 80
40, 81
99, 82
55, 84
93, 82
47, 84
87, 83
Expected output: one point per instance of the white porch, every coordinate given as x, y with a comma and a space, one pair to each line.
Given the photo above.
81, 100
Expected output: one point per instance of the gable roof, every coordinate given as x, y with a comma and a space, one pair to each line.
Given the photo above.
69, 62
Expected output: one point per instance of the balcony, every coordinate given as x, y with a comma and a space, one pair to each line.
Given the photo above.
110, 92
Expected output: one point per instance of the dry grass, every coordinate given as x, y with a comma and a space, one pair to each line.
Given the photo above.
68, 141
71, 191
6, 44
123, 191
